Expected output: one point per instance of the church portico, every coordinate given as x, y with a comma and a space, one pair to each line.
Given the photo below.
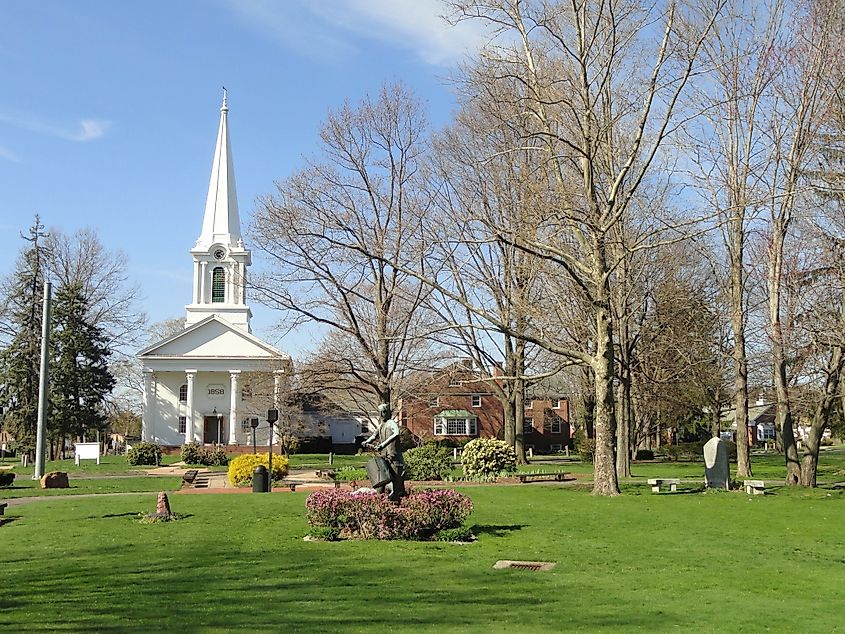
207, 382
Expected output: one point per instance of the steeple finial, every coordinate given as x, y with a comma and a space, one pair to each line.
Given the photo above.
225, 105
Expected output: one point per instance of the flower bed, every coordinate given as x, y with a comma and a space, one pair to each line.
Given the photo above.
335, 514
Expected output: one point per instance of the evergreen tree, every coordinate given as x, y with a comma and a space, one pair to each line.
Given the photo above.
80, 376
21, 325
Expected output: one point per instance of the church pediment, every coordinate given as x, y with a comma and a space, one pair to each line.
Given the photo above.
212, 338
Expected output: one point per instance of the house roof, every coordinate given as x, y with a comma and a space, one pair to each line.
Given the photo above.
757, 414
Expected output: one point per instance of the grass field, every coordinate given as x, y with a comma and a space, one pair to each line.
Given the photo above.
702, 562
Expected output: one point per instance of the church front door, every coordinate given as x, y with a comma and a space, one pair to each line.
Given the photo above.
213, 430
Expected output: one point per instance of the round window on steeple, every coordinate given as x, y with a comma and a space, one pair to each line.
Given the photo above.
219, 254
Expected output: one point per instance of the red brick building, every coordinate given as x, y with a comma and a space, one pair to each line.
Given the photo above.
456, 405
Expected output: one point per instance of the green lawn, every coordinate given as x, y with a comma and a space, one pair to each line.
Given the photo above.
677, 562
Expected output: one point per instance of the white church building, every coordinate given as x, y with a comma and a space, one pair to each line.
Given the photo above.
214, 380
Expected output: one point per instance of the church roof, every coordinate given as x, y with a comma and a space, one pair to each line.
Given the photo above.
221, 222
212, 338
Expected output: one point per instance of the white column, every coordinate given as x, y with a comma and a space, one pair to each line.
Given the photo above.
203, 275
233, 406
242, 284
190, 375
149, 399
196, 282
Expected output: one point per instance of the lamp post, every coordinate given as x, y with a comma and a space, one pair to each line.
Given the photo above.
272, 417
253, 422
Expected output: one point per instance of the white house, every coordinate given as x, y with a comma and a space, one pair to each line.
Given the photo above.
202, 384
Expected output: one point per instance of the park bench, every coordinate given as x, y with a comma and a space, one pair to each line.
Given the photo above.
656, 483
542, 477
3, 506
757, 487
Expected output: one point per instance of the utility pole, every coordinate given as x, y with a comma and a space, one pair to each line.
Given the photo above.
43, 385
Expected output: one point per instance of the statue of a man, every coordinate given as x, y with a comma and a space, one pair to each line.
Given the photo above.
390, 448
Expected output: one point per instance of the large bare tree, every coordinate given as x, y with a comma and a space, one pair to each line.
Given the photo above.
600, 91
335, 236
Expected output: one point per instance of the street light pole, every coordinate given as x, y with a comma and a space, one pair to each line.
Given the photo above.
272, 417
253, 422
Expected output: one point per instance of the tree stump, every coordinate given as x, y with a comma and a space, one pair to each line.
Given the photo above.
163, 506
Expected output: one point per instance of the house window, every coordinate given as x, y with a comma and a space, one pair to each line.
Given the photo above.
555, 403
529, 404
555, 448
476, 400
456, 426
246, 425
246, 392
183, 424
218, 285
557, 425
527, 425
454, 382
434, 401
183, 393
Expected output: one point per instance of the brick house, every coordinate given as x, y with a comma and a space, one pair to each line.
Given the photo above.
455, 405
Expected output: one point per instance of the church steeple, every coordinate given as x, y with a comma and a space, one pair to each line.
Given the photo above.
221, 222
220, 258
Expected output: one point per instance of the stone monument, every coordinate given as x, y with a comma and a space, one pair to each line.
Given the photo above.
390, 448
717, 473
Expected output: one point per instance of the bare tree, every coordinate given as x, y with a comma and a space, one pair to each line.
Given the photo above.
601, 94
335, 236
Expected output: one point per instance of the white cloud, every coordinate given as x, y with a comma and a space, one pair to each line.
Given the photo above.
8, 155
332, 28
292, 23
417, 25
85, 130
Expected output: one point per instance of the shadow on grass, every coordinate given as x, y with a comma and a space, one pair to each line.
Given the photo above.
496, 530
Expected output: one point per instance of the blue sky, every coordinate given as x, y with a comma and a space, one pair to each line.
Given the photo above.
109, 111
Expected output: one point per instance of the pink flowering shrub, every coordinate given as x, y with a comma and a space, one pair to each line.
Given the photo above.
374, 516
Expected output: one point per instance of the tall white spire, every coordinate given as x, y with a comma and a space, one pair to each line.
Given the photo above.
220, 257
221, 223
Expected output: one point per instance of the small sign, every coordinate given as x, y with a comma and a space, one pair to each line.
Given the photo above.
216, 392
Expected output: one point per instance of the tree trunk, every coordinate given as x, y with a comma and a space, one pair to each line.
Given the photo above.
623, 427
821, 417
743, 456
605, 481
519, 419
783, 417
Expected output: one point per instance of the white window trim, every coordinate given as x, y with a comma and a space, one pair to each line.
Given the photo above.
555, 403
441, 426
476, 400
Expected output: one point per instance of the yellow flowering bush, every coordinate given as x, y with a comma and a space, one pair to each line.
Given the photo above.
241, 468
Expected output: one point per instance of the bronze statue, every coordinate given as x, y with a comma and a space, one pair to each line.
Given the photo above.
390, 448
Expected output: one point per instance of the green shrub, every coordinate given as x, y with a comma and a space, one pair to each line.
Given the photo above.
194, 453
241, 467
6, 478
327, 533
215, 457
144, 453
644, 454
586, 447
429, 462
290, 444
488, 457
460, 534
191, 453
